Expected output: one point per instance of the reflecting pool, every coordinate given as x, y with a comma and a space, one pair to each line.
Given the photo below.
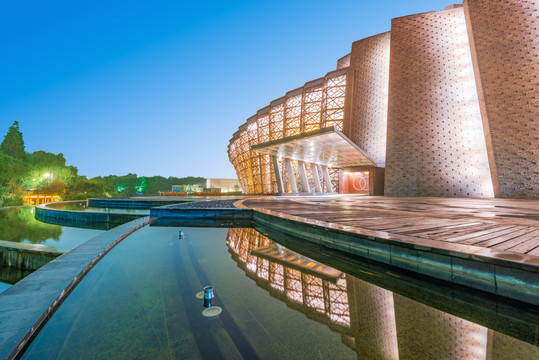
19, 225
141, 301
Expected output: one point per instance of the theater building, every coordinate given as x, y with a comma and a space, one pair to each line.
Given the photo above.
445, 104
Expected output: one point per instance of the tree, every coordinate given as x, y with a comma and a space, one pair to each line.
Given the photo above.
13, 144
46, 159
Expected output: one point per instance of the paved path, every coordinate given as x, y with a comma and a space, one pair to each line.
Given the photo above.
500, 224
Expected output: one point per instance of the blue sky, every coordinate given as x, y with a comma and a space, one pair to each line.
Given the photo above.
158, 88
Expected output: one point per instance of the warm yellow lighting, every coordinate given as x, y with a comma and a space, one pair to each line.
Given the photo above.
318, 104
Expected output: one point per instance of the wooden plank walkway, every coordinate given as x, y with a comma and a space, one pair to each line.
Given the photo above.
508, 225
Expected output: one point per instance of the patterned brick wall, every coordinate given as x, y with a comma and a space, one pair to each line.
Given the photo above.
343, 62
369, 69
435, 142
505, 46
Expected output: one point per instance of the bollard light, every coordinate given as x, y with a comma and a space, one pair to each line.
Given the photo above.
208, 292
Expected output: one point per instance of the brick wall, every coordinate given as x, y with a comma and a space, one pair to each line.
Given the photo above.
505, 49
369, 71
343, 62
435, 140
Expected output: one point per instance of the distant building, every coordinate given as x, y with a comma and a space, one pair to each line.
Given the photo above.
223, 185
445, 104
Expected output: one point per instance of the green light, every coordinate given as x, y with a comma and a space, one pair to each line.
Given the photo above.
142, 185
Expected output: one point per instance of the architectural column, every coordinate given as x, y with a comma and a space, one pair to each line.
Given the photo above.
291, 175
303, 177
327, 180
316, 177
278, 175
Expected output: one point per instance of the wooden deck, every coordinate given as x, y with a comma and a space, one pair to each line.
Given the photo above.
508, 225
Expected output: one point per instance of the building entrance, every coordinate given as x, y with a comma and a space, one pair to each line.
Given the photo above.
356, 182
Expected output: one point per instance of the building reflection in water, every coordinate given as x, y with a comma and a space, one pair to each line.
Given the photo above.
375, 322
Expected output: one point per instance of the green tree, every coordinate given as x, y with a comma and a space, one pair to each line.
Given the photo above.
11, 172
45, 159
13, 144
82, 188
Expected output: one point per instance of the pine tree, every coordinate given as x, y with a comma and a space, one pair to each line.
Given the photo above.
13, 144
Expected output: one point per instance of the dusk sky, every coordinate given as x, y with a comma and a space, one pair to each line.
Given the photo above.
158, 88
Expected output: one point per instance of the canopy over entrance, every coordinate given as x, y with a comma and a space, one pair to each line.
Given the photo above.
327, 146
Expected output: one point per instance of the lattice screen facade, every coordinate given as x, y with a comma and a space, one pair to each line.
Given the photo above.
318, 104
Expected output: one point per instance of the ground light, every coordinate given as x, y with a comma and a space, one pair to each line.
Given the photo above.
208, 296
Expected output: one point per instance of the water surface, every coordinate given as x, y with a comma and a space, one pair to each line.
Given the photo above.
140, 302
18, 224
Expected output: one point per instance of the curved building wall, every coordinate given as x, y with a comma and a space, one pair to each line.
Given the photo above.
505, 44
344, 62
435, 140
369, 74
318, 104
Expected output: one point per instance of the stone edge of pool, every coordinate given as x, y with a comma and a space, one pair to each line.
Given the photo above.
80, 218
132, 202
27, 256
27, 305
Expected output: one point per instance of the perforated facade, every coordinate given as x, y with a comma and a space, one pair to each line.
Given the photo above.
435, 141
446, 104
369, 71
505, 42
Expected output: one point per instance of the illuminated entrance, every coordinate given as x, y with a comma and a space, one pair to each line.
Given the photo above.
356, 182
305, 163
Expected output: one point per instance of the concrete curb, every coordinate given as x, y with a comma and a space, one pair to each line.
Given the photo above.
130, 203
227, 213
87, 219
